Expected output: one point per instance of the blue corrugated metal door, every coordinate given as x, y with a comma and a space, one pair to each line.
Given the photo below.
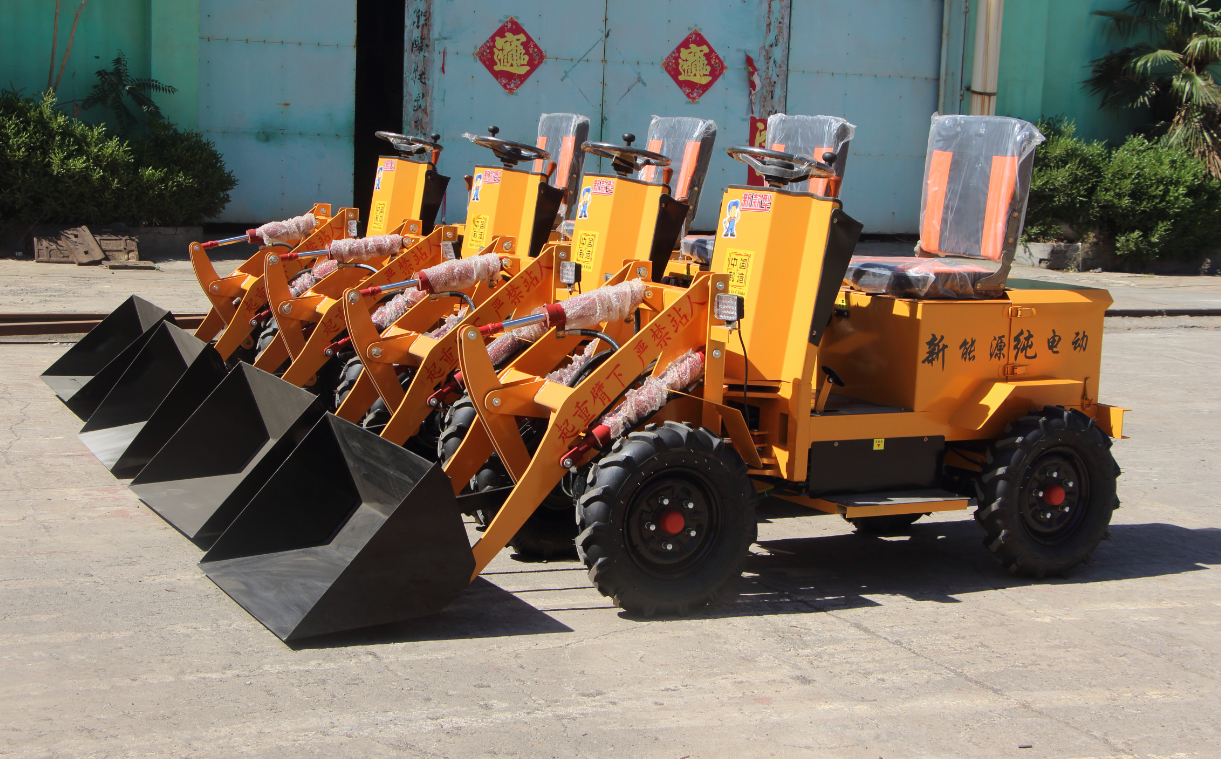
465, 97
877, 63
275, 95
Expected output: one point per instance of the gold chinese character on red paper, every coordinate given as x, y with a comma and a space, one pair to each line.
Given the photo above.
511, 55
694, 65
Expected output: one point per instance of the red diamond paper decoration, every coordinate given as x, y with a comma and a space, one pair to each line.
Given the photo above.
511, 55
694, 66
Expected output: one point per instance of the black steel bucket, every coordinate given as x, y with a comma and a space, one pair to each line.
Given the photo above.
167, 381
84, 375
351, 531
212, 466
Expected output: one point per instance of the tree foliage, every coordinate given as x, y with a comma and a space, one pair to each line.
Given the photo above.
56, 169
1167, 69
116, 86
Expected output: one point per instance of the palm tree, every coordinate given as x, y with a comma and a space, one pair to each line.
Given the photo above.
1167, 70
113, 85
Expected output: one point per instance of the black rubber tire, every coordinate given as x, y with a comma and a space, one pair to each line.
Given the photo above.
615, 549
884, 525
1054, 443
550, 531
347, 379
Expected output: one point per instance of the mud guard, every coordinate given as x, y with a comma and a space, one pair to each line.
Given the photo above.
351, 531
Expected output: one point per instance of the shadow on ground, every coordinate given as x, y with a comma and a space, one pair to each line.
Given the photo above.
482, 611
936, 561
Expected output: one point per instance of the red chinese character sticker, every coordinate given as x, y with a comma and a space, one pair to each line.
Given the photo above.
694, 66
511, 55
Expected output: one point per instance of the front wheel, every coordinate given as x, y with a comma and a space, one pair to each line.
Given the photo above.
1048, 492
667, 520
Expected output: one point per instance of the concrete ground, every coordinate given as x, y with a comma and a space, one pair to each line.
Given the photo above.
114, 644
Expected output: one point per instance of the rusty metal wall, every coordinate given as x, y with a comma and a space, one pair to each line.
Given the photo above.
275, 95
886, 65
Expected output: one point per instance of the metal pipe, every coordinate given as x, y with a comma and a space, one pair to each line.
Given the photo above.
455, 294
224, 242
987, 57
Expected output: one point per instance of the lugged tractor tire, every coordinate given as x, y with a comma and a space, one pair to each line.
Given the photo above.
550, 531
884, 525
639, 492
1047, 492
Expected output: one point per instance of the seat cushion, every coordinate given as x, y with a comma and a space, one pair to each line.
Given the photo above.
906, 277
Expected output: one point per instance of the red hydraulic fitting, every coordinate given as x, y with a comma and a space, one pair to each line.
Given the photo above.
334, 347
453, 386
599, 437
253, 236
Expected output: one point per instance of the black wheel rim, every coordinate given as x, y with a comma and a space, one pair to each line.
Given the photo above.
1055, 496
653, 542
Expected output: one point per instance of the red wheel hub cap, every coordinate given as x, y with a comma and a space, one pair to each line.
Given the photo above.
1053, 495
672, 522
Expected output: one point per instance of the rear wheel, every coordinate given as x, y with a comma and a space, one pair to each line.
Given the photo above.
667, 520
1048, 492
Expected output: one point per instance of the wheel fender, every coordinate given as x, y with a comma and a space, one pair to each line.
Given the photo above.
999, 399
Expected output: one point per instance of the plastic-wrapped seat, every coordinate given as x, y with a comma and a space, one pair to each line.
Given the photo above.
924, 278
561, 135
812, 136
687, 142
976, 183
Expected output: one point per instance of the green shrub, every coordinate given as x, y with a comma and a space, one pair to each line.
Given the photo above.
1158, 203
55, 169
1154, 201
1066, 174
182, 176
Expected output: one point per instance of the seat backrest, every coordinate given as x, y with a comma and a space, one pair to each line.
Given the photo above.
976, 184
811, 136
687, 142
561, 135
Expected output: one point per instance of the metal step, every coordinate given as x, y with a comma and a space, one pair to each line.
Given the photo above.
898, 502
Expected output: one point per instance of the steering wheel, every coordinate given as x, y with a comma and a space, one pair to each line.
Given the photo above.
409, 145
625, 159
780, 169
510, 153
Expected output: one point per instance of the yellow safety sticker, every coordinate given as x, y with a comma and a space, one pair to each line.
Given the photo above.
587, 245
842, 301
739, 265
378, 223
879, 443
477, 230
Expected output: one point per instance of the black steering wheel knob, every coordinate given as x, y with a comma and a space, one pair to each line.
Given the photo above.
628, 138
434, 137
830, 157
493, 130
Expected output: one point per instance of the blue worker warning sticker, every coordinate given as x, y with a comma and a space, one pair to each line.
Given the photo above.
377, 185
476, 186
757, 201
583, 205
729, 225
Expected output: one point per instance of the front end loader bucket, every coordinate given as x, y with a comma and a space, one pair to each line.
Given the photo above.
230, 446
84, 375
351, 531
170, 358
